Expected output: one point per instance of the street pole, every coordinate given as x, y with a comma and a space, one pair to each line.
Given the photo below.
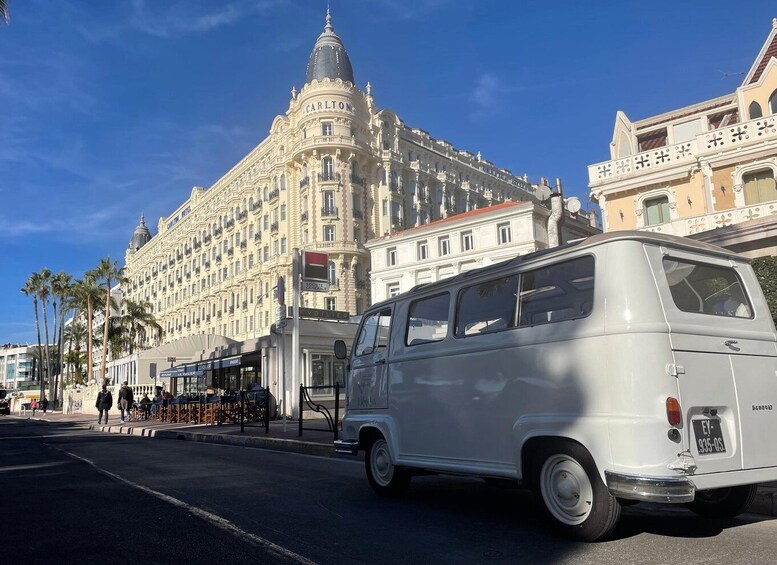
295, 299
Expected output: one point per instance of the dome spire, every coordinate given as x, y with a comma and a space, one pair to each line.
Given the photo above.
329, 58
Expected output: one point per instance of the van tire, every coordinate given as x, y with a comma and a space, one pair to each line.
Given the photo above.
723, 502
570, 493
385, 478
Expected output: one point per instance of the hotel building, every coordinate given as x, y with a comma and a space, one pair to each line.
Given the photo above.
334, 172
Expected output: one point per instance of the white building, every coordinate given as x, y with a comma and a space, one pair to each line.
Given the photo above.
16, 365
457, 244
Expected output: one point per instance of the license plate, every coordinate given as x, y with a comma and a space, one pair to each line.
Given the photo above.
709, 436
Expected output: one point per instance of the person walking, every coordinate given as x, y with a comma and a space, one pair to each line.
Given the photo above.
104, 403
145, 406
125, 401
44, 404
34, 406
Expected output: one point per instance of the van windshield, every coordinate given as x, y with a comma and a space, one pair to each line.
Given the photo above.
706, 289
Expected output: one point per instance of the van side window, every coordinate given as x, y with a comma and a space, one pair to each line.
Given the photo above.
428, 320
706, 289
374, 333
487, 307
559, 292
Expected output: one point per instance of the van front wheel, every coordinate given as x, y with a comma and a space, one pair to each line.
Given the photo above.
723, 502
385, 478
571, 493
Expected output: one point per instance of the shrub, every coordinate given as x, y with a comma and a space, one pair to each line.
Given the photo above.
766, 271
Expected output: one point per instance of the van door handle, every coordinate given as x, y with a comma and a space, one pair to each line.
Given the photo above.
380, 362
731, 343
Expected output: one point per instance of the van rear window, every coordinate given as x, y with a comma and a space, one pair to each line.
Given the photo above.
428, 320
706, 289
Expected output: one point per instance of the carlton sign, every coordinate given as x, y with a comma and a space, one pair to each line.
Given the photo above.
327, 105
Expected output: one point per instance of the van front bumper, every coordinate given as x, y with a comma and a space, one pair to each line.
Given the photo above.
673, 490
349, 446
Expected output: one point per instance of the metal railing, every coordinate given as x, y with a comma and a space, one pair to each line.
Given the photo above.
306, 401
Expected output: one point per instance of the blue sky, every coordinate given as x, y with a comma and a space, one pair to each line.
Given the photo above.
113, 108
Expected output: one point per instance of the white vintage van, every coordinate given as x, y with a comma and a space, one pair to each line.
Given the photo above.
627, 367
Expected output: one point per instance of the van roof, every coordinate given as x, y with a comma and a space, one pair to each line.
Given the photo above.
576, 246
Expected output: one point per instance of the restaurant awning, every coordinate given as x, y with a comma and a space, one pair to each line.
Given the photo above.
198, 369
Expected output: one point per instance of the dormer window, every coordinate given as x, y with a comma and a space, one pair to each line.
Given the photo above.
754, 110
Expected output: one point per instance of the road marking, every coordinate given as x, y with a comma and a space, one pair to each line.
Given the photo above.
214, 519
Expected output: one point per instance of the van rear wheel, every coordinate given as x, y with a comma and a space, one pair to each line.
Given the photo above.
385, 478
571, 494
723, 502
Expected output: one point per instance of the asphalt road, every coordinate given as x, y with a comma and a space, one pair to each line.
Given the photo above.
74, 496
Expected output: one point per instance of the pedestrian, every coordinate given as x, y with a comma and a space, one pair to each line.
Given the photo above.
125, 401
104, 403
44, 404
34, 406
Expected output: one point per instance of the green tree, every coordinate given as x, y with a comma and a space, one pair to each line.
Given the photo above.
75, 334
766, 271
31, 288
44, 293
4, 14
139, 322
61, 290
107, 271
87, 293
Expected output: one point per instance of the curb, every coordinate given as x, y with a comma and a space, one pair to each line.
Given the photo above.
289, 445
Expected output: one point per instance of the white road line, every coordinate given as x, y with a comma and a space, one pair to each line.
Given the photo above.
214, 519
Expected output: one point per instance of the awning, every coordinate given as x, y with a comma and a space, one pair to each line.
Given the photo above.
229, 361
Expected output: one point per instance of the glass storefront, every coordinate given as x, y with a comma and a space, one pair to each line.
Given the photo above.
325, 371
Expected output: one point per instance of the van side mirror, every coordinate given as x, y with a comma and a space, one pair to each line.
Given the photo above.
340, 350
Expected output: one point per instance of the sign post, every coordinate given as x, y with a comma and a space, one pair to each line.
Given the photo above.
295, 299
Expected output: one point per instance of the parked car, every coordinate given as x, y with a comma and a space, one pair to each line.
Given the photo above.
5, 406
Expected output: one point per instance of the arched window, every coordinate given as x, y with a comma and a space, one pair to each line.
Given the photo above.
773, 103
759, 187
283, 182
754, 110
327, 168
275, 183
266, 194
332, 271
656, 211
304, 170
251, 203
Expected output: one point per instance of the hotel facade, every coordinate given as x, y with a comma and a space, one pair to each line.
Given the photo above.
334, 172
706, 171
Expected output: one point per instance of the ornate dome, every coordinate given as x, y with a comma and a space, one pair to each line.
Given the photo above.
329, 59
141, 235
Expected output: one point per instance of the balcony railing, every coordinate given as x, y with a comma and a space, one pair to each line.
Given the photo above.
304, 182
716, 141
688, 226
304, 217
274, 194
329, 212
359, 181
357, 214
274, 227
329, 177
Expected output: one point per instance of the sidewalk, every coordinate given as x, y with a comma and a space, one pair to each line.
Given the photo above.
311, 443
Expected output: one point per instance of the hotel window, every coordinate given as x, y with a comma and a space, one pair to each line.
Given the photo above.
330, 304
656, 211
467, 243
332, 273
445, 246
283, 182
329, 203
327, 168
283, 212
266, 253
275, 246
326, 128
773, 103
759, 187
283, 246
423, 250
503, 233
391, 256
329, 233
385, 207
392, 289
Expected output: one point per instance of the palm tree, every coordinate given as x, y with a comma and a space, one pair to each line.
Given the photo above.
31, 289
4, 15
109, 272
75, 334
139, 322
61, 289
87, 293
44, 292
